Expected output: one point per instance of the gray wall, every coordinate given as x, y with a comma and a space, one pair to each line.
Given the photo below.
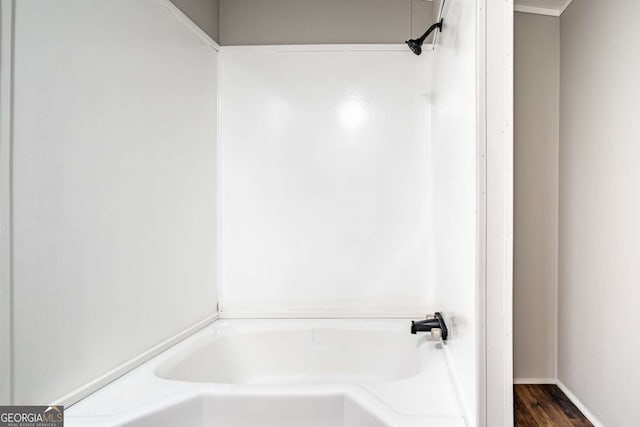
599, 257
6, 41
258, 22
537, 62
203, 12
263, 22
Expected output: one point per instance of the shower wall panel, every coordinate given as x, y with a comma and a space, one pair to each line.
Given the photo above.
114, 181
325, 181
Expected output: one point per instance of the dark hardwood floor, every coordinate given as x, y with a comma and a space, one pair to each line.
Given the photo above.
543, 405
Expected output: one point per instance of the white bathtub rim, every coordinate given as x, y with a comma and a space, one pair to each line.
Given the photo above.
359, 396
167, 401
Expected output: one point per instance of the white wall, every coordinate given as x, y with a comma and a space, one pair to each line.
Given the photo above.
114, 183
453, 174
599, 208
537, 94
265, 22
325, 191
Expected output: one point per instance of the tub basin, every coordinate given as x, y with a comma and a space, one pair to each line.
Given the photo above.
311, 356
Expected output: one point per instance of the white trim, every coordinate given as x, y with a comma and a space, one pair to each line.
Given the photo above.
508, 206
481, 221
6, 137
189, 23
457, 385
96, 384
321, 48
537, 10
535, 381
573, 398
322, 314
556, 213
543, 10
497, 312
219, 187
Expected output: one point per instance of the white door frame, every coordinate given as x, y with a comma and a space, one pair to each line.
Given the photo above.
495, 207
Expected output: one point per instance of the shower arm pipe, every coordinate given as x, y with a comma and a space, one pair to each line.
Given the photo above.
416, 44
437, 25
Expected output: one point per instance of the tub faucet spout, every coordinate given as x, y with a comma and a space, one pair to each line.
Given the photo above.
433, 324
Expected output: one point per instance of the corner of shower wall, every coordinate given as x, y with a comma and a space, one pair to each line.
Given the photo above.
454, 194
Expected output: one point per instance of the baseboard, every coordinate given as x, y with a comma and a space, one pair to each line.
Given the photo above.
457, 385
572, 397
80, 393
535, 381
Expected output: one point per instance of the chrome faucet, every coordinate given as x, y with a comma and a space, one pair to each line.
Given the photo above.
434, 324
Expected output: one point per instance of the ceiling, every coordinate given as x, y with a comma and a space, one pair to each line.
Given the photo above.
542, 7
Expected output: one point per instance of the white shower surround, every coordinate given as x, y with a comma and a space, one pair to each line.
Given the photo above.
324, 181
423, 395
397, 402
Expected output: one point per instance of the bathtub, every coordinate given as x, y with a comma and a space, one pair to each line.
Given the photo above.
285, 373
302, 356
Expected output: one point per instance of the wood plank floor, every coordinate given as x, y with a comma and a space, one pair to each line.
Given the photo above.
544, 405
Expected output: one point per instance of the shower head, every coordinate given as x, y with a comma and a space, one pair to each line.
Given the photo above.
416, 44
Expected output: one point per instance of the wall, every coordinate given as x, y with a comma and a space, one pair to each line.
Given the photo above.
599, 236
454, 179
249, 22
6, 31
204, 13
537, 74
114, 183
325, 189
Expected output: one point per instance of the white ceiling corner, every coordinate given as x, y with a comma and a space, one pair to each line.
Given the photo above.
542, 7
